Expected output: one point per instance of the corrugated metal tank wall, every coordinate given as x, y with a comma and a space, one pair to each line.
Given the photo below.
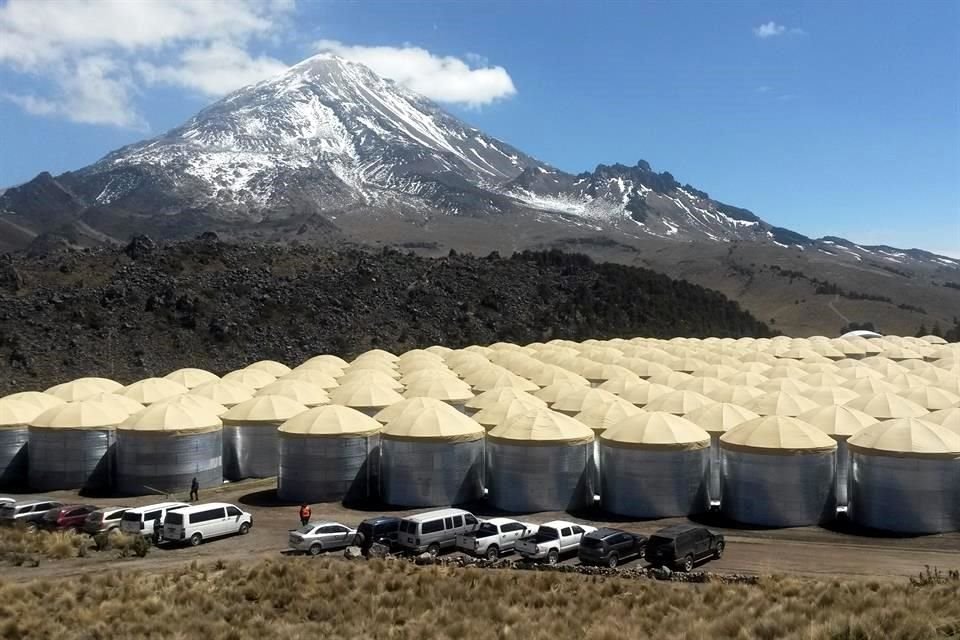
779, 490
13, 455
430, 474
528, 477
151, 462
250, 450
71, 458
653, 484
328, 469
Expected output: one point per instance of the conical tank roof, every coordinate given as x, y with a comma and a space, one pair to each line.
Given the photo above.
170, 419
122, 402
830, 395
331, 421
541, 427
412, 406
362, 395
152, 390
446, 389
908, 381
678, 402
378, 354
379, 366
250, 378
656, 430
824, 379
425, 375
307, 394
266, 409
191, 377
870, 386
499, 413
549, 374
789, 385
740, 395
906, 438
582, 399
601, 417
196, 403
371, 377
495, 376
328, 368
327, 359
777, 435
271, 367
82, 414
17, 413
437, 422
887, 406
720, 417
224, 392
949, 418
552, 393
703, 385
780, 403
673, 379
495, 396
316, 377
932, 398
42, 401
837, 421
83, 388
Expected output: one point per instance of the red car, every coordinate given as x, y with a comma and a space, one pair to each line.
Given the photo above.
69, 516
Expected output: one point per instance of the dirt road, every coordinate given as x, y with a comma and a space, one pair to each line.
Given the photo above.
807, 551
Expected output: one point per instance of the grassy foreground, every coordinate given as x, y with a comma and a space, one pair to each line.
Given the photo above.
327, 598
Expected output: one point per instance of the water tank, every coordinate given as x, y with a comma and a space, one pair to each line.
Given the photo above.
905, 477
162, 448
71, 445
432, 457
15, 415
654, 465
250, 435
540, 460
716, 419
329, 453
224, 392
839, 423
778, 471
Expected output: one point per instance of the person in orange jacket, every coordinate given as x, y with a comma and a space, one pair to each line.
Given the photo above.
305, 513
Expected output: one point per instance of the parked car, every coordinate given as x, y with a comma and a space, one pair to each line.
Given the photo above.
494, 537
683, 545
608, 547
379, 530
553, 540
29, 513
315, 537
68, 516
200, 522
5, 500
104, 520
148, 520
435, 530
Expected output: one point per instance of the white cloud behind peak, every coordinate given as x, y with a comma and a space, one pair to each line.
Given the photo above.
449, 79
773, 29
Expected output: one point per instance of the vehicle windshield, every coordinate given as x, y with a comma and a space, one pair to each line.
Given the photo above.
131, 517
174, 518
546, 534
591, 543
408, 526
488, 529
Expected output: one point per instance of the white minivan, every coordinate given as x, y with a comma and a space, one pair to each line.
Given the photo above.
435, 530
201, 522
148, 520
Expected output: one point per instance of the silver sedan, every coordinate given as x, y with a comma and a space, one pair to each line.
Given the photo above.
316, 537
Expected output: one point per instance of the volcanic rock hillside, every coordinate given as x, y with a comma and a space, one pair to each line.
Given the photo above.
128, 314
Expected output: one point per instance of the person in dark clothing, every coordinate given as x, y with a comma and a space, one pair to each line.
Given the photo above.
305, 513
194, 490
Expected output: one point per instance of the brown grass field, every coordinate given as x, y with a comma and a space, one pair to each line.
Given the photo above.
328, 598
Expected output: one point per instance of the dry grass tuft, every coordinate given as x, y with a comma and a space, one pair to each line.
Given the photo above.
17, 544
388, 598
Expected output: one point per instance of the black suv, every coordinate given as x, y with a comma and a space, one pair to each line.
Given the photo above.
380, 530
683, 545
608, 547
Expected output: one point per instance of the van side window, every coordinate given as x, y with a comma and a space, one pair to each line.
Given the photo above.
448, 523
458, 521
233, 511
469, 519
433, 526
577, 530
206, 516
151, 515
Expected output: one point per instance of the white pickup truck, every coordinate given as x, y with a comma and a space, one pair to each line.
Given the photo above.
495, 536
552, 540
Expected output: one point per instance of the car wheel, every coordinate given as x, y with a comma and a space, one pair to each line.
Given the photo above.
553, 557
434, 549
613, 561
358, 540
244, 528
315, 549
718, 552
195, 539
688, 563
493, 552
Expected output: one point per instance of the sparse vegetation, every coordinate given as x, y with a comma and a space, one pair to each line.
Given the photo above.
20, 546
378, 599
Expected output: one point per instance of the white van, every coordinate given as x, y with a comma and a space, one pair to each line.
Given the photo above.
148, 520
435, 530
204, 521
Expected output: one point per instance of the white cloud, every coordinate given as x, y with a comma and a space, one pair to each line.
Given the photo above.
441, 78
88, 50
771, 30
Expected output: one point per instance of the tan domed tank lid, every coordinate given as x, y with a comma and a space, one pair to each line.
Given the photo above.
501, 394
439, 350
617, 386
780, 403
363, 395
250, 378
703, 385
906, 438
541, 427
224, 392
410, 405
263, 409
499, 413
191, 378
738, 394
932, 398
448, 390
931, 339
331, 421
789, 385
949, 418
776, 435
907, 381
375, 377
196, 403
678, 402
825, 379
550, 374
272, 367
583, 398
325, 360
644, 368
307, 394
171, 419
643, 394
318, 377
152, 390
15, 414
941, 378
602, 416
416, 365
41, 400
869, 386
838, 421
672, 379
720, 417
122, 402
437, 422
83, 388
81, 415
887, 406
494, 376
718, 371
830, 395
376, 355
656, 431
415, 355
433, 373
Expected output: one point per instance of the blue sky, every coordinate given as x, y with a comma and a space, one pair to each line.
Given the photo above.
837, 118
